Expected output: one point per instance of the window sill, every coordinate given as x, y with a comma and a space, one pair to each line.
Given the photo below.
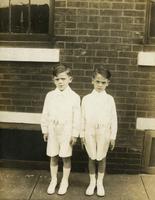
145, 123
29, 54
146, 58
20, 120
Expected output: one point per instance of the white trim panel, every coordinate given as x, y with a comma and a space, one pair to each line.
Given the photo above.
145, 124
29, 54
20, 117
146, 58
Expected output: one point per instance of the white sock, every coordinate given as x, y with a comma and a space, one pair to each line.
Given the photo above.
66, 173
92, 179
100, 187
92, 185
100, 178
64, 182
53, 183
54, 171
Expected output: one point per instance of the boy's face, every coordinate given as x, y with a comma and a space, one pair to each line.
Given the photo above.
100, 83
62, 80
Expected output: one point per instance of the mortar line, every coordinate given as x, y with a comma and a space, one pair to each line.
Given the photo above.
145, 188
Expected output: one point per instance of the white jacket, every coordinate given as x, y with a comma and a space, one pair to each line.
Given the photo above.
99, 115
61, 109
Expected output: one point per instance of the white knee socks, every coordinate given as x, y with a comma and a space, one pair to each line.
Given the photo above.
53, 183
100, 178
92, 185
54, 171
64, 182
66, 173
100, 188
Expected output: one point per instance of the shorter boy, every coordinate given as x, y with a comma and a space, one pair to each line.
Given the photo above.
60, 125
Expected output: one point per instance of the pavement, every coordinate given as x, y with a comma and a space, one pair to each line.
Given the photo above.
16, 184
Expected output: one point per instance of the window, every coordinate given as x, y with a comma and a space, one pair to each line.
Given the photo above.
152, 19
149, 152
26, 19
150, 22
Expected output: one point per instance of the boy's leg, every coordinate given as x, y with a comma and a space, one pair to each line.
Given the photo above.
66, 172
92, 176
101, 172
54, 171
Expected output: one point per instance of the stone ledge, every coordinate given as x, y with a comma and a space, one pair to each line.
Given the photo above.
146, 58
29, 54
145, 123
20, 120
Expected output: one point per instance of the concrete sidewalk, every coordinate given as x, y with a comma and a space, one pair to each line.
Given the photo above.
18, 184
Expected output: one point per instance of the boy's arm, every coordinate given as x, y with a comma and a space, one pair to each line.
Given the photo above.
76, 118
44, 118
73, 140
113, 126
45, 137
112, 144
83, 123
83, 120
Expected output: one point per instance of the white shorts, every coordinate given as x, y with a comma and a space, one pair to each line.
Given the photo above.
59, 145
96, 146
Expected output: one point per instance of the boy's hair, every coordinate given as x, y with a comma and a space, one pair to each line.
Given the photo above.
101, 70
60, 68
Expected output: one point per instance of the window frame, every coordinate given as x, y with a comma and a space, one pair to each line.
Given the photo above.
33, 37
148, 39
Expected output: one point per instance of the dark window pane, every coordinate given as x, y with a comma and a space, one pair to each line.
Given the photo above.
4, 17
39, 16
19, 16
152, 154
26, 19
152, 22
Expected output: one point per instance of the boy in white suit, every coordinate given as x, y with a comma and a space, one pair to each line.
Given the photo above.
99, 128
60, 124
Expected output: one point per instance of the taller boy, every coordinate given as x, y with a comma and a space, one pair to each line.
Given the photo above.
60, 125
99, 127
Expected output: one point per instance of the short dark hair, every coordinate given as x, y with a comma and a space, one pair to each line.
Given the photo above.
60, 68
101, 70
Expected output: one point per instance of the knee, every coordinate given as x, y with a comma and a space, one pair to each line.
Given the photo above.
92, 162
66, 160
54, 160
102, 161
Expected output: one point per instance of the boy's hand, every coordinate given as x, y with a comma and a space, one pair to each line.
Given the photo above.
73, 140
82, 142
112, 144
45, 136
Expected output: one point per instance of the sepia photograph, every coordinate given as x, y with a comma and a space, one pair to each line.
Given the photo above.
77, 99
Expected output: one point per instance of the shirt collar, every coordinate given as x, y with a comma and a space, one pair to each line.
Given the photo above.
99, 93
64, 92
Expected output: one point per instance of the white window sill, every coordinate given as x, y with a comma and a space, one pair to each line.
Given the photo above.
20, 117
145, 124
29, 54
146, 58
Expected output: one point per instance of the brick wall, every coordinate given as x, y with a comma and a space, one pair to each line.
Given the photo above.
90, 33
